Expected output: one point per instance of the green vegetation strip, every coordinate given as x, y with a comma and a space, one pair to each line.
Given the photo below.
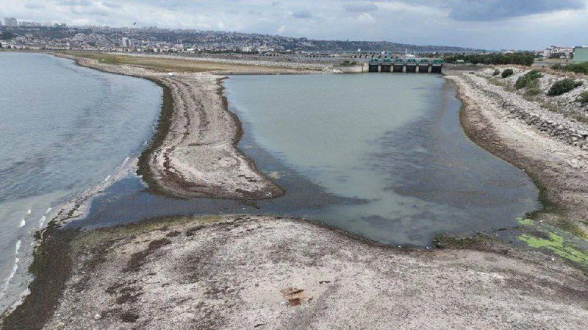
520, 58
572, 67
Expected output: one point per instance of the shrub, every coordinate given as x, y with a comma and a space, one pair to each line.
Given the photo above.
563, 86
507, 73
583, 97
496, 72
527, 79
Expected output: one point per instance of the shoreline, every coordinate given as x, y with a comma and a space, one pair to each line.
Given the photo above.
548, 160
84, 260
242, 271
180, 165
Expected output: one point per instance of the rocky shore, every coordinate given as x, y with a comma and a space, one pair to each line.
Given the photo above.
550, 146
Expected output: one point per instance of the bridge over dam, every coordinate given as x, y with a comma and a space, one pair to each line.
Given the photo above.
416, 65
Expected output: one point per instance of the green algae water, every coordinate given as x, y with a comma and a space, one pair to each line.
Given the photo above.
379, 155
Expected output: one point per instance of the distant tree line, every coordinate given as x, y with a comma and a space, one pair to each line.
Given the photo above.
521, 58
572, 67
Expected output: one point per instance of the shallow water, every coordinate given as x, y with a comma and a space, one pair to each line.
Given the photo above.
63, 129
383, 156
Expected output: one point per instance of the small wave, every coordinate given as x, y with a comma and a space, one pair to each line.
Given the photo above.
42, 222
22, 223
108, 177
18, 246
124, 162
29, 211
10, 277
48, 210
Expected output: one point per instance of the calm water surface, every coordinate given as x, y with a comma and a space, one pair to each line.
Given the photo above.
382, 156
63, 129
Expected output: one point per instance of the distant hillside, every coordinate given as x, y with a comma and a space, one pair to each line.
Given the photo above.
215, 40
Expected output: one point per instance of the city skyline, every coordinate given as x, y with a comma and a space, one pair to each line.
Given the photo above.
493, 24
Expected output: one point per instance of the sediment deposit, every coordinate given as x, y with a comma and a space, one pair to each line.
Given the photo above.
265, 273
194, 153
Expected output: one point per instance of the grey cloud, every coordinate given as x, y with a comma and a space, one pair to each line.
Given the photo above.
81, 3
302, 14
112, 5
360, 7
34, 6
495, 10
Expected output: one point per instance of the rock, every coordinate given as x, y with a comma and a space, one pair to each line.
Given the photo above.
97, 317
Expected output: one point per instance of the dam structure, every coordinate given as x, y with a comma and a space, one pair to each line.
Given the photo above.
414, 65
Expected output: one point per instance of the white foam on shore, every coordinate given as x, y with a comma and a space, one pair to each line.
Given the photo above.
42, 222
9, 278
80, 202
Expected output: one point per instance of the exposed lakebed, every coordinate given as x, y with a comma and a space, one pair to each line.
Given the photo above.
382, 156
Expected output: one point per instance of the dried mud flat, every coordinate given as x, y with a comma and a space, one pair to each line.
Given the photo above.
248, 272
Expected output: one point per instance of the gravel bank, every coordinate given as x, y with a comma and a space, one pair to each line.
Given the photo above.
194, 153
549, 146
265, 273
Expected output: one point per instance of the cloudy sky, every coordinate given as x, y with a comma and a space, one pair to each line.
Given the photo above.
489, 24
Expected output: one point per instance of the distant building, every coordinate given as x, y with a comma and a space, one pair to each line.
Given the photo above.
580, 54
126, 42
10, 21
29, 24
558, 52
247, 49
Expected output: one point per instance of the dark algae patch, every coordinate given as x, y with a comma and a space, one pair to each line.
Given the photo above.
138, 259
163, 126
51, 267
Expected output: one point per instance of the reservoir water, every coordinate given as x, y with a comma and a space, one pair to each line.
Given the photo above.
64, 129
379, 155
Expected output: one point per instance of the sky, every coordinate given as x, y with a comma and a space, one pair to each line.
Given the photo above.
489, 24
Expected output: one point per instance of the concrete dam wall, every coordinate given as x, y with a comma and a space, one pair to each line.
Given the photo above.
410, 65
